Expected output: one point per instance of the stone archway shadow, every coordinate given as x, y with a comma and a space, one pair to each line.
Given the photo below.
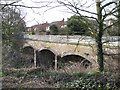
28, 56
73, 61
46, 58
28, 50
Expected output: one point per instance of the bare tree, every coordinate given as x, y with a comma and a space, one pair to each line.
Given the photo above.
119, 16
104, 10
17, 4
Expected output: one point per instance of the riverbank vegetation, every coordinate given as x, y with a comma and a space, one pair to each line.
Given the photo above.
19, 72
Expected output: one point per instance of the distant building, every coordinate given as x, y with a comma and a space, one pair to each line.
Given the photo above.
39, 29
44, 28
59, 24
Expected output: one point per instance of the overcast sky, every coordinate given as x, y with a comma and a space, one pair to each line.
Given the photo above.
35, 16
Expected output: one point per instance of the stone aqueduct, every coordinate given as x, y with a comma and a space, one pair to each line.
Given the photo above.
48, 52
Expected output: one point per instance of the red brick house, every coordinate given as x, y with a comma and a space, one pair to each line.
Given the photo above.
44, 28
39, 29
59, 24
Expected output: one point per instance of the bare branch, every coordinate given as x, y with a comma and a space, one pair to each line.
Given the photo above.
23, 6
52, 8
42, 1
114, 10
4, 5
47, 4
110, 26
111, 12
69, 4
107, 4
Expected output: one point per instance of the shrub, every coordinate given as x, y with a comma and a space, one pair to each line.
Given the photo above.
92, 82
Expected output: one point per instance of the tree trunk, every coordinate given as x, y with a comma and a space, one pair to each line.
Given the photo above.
99, 53
119, 17
118, 43
99, 38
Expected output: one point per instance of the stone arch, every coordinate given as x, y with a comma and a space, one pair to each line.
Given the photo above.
74, 60
74, 53
45, 48
28, 50
46, 58
28, 55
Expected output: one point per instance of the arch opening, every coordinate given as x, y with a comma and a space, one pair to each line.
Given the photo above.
45, 58
73, 62
28, 56
28, 50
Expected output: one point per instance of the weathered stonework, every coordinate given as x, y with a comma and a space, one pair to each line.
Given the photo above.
48, 50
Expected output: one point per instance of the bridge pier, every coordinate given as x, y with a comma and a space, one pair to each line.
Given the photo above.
35, 62
55, 62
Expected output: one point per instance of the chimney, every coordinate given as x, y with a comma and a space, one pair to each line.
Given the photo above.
63, 20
